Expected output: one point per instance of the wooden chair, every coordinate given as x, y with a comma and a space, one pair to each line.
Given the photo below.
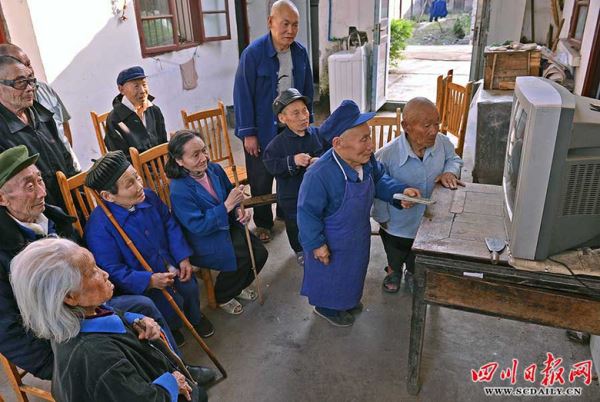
99, 121
150, 165
212, 125
15, 379
385, 128
455, 112
78, 202
442, 84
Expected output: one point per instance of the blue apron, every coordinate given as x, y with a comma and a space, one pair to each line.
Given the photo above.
339, 285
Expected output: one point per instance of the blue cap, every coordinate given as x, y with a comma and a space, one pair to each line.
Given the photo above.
346, 116
131, 73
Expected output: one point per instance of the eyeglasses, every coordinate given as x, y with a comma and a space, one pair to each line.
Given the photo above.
21, 83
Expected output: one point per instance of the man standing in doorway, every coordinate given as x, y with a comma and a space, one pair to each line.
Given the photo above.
269, 65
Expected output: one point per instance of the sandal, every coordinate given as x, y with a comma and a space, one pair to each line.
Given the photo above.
391, 283
263, 234
232, 307
248, 294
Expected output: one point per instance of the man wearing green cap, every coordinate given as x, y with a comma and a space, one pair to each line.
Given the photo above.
24, 218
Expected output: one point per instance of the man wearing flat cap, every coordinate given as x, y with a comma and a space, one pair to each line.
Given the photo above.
334, 204
24, 218
134, 120
289, 154
151, 227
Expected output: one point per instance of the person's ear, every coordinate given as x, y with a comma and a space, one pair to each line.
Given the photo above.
269, 21
107, 196
281, 118
405, 126
71, 299
179, 162
336, 142
3, 199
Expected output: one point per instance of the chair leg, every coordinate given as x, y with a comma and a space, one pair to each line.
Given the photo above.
210, 287
13, 378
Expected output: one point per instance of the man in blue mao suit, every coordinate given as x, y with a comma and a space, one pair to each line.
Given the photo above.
269, 65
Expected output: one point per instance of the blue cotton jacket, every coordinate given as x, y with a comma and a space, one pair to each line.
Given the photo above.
322, 192
401, 163
205, 220
255, 87
153, 230
279, 161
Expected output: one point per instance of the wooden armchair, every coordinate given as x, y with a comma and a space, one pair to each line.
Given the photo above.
385, 128
15, 380
212, 125
78, 202
99, 121
455, 113
442, 84
150, 165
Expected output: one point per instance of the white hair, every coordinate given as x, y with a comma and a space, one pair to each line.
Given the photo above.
41, 276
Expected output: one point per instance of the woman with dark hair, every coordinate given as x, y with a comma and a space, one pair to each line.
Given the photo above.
207, 207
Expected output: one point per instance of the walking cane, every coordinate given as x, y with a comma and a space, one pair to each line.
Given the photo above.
169, 298
248, 240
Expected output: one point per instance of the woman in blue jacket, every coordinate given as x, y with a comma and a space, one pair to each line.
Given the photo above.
207, 207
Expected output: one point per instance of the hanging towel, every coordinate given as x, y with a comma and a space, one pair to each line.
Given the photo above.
189, 76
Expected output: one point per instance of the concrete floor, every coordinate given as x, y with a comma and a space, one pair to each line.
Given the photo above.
416, 74
282, 352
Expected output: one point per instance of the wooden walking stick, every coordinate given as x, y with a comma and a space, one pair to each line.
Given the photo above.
248, 240
168, 296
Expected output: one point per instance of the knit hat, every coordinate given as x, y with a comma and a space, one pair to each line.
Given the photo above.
13, 161
106, 171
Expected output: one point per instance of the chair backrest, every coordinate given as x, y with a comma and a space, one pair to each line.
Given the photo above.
21, 390
78, 201
212, 125
442, 84
150, 165
385, 128
99, 121
456, 111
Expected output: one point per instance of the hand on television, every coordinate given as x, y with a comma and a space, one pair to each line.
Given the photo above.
185, 270
147, 328
411, 192
162, 280
251, 145
322, 254
235, 197
449, 180
244, 217
302, 160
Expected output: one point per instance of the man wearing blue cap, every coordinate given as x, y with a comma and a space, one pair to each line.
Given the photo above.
134, 121
334, 203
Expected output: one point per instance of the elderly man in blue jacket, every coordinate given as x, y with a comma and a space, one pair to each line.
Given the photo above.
421, 157
269, 65
155, 233
334, 204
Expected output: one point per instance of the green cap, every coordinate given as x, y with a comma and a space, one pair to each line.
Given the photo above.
14, 160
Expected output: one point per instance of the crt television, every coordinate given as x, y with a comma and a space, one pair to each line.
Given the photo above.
551, 175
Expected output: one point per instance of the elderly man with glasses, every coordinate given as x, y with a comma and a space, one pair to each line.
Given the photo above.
23, 121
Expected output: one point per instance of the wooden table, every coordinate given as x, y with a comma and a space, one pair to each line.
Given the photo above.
453, 269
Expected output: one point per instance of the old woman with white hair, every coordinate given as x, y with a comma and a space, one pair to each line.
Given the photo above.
99, 354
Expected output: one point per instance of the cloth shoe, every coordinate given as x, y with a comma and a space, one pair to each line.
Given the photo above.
356, 309
204, 328
248, 294
335, 317
232, 307
202, 375
179, 338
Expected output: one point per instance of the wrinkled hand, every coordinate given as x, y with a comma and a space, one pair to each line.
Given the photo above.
162, 280
147, 328
411, 192
182, 385
302, 160
251, 145
185, 270
235, 197
449, 180
322, 254
244, 217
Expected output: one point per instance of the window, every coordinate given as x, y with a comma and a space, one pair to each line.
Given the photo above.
577, 25
168, 25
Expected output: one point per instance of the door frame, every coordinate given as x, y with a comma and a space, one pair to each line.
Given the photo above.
592, 75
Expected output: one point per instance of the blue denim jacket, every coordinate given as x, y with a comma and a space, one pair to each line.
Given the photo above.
255, 88
401, 163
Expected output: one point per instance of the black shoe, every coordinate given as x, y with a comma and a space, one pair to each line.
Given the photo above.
179, 338
202, 375
204, 328
356, 309
340, 319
